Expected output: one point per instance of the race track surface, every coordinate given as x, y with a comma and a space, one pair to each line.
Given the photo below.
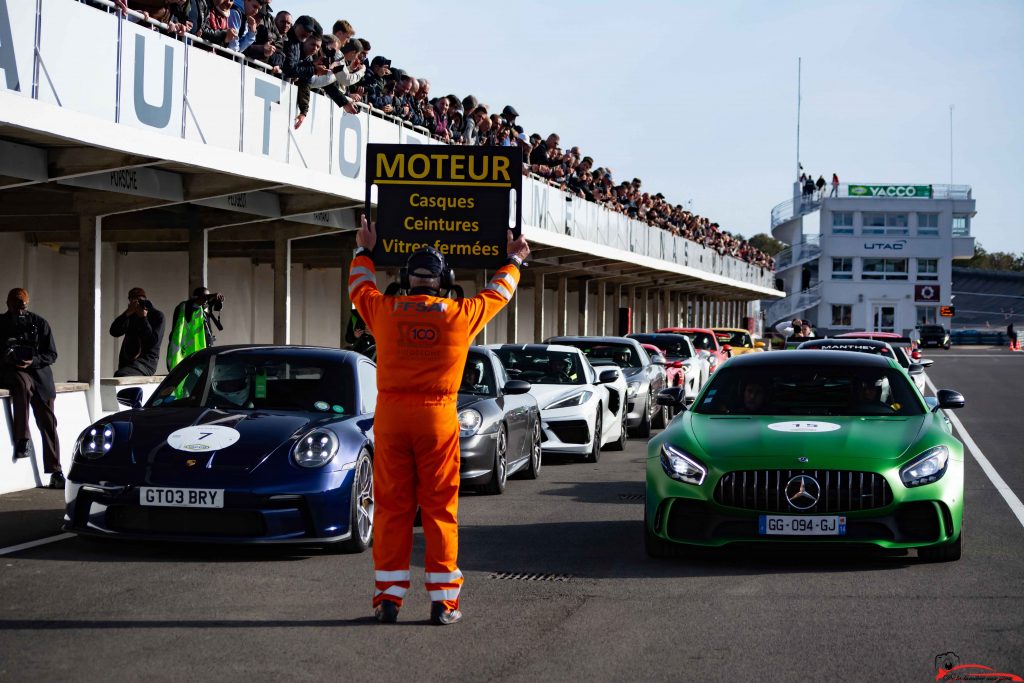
596, 608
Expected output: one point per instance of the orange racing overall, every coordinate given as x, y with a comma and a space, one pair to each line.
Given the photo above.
422, 343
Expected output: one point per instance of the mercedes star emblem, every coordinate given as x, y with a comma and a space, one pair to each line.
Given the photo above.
802, 492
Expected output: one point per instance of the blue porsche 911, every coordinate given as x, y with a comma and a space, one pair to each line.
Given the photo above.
241, 444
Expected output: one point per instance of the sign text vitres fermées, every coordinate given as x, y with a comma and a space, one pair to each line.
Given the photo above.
455, 199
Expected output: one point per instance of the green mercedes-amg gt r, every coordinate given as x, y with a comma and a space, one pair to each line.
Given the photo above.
807, 446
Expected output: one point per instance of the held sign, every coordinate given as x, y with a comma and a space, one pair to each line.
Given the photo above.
459, 200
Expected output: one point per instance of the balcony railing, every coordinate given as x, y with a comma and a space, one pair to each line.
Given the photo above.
801, 252
793, 304
181, 88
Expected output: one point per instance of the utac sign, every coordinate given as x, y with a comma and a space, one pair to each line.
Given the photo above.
912, 191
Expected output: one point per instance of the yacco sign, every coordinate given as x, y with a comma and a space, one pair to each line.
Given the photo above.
896, 245
915, 191
228, 106
460, 200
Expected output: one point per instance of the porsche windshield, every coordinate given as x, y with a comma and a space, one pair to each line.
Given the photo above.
259, 380
622, 355
810, 390
540, 366
674, 346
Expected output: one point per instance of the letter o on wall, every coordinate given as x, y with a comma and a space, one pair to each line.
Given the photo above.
350, 169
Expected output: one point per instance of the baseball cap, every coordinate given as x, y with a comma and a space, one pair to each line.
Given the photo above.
380, 60
509, 112
310, 24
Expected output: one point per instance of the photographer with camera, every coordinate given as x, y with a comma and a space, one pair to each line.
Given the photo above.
142, 327
191, 326
29, 351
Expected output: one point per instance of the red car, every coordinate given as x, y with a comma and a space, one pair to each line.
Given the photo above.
704, 340
675, 372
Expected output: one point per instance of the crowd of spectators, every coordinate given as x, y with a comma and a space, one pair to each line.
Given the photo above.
338, 63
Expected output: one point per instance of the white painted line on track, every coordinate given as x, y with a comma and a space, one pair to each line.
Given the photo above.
33, 544
1001, 486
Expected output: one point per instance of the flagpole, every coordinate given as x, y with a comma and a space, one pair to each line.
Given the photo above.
798, 74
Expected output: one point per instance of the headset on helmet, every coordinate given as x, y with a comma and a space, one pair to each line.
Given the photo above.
431, 259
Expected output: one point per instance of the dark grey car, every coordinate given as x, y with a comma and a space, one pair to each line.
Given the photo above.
499, 425
644, 377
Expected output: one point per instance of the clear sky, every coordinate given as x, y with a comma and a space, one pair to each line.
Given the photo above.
698, 99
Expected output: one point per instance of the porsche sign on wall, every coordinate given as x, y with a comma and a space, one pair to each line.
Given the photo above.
926, 293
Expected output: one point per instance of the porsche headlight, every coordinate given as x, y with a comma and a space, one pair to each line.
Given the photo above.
926, 468
316, 448
577, 399
96, 441
632, 388
469, 422
682, 466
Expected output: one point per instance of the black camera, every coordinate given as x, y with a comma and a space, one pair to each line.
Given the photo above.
18, 351
146, 303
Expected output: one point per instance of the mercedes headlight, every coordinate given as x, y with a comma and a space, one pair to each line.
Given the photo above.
96, 441
925, 468
682, 466
577, 399
469, 421
316, 448
632, 388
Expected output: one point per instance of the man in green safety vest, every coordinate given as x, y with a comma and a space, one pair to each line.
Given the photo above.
191, 329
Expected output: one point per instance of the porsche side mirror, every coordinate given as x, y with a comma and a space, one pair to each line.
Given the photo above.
516, 386
130, 397
759, 345
673, 397
915, 369
657, 359
926, 362
607, 376
677, 364
949, 399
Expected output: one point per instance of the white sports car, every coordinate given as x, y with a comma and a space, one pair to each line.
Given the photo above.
679, 348
582, 408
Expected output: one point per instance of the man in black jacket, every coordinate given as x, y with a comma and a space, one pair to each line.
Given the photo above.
28, 352
142, 327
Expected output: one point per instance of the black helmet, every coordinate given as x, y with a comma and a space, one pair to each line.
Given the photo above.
427, 262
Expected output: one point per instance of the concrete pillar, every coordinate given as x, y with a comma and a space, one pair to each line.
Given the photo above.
90, 302
345, 303
282, 289
538, 307
668, 308
631, 305
583, 304
561, 304
198, 259
600, 314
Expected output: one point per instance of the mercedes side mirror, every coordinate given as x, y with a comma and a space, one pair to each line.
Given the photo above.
949, 399
607, 376
673, 397
516, 386
130, 397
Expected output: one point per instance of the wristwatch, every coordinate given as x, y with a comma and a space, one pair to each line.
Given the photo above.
518, 262
362, 251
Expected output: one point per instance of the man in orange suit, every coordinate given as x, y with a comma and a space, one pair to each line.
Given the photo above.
422, 343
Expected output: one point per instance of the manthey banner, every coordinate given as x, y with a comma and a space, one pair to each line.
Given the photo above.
905, 191
461, 201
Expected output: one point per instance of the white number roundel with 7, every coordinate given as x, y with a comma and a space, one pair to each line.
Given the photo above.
203, 438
